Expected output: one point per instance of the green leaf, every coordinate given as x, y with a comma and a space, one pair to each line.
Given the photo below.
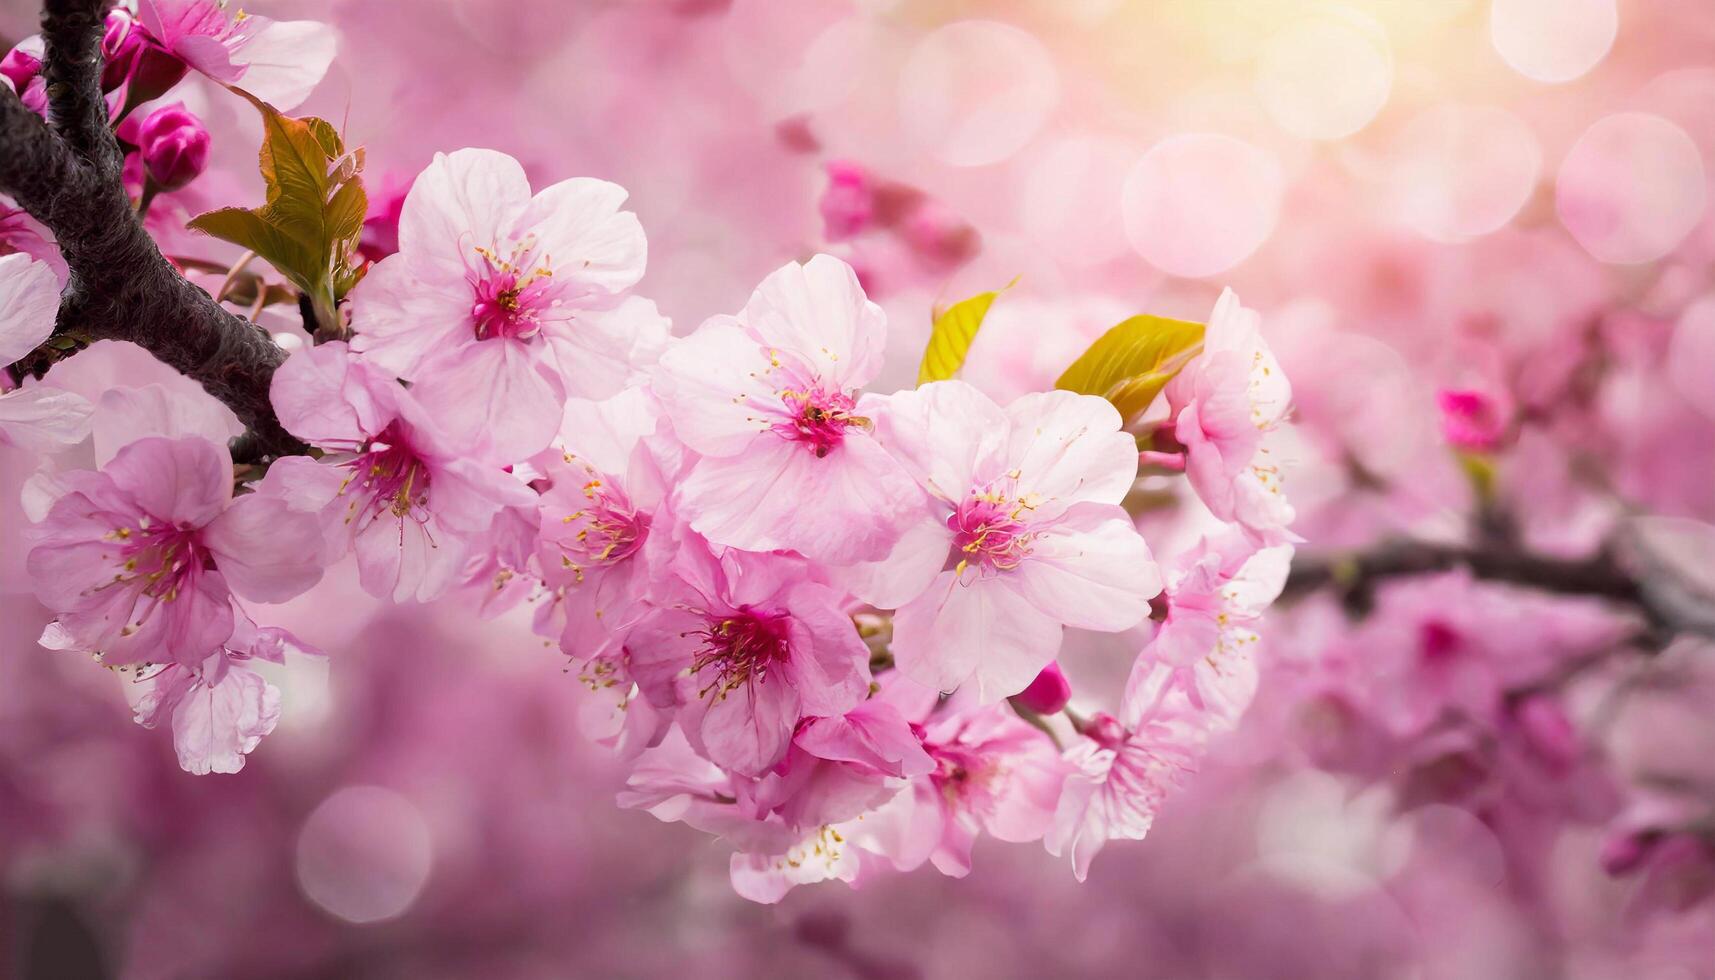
283, 250
951, 336
312, 217
1133, 361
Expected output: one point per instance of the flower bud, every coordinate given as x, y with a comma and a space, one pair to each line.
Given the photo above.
848, 205
174, 144
1626, 851
20, 67
381, 222
1548, 732
1048, 693
121, 45
940, 237
1473, 420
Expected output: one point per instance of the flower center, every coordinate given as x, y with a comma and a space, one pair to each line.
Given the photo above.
609, 529
958, 773
387, 477
818, 418
739, 647
511, 292
159, 561
990, 532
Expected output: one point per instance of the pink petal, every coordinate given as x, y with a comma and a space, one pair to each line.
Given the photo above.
981, 633
29, 305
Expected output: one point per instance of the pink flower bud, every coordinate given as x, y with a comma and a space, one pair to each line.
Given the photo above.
24, 70
21, 67
121, 45
1547, 731
1048, 693
1473, 420
941, 237
381, 223
174, 145
1625, 852
848, 205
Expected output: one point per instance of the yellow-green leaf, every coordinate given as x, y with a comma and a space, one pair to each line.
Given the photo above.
1133, 361
950, 337
283, 250
313, 212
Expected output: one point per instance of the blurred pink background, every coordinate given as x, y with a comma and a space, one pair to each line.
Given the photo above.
1417, 195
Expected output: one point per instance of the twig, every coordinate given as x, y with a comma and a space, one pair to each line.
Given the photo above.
1357, 575
67, 174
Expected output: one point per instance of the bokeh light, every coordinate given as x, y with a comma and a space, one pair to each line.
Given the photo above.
975, 92
1325, 76
1462, 171
1201, 203
1553, 40
364, 854
1631, 188
1067, 194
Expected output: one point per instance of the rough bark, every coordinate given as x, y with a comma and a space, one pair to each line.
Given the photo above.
67, 174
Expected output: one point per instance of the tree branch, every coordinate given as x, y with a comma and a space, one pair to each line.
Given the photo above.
121, 287
1357, 575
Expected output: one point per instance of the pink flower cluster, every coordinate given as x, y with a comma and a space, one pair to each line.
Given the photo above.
820, 623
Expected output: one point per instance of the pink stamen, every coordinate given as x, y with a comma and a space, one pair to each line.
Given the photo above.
740, 647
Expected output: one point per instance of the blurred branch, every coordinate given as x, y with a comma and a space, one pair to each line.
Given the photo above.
1357, 575
67, 174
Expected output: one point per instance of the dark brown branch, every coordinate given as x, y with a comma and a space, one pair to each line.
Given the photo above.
121, 287
1357, 575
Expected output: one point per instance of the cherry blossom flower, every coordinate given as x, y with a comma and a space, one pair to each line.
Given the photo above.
219, 708
1225, 403
993, 774
392, 487
1204, 649
1026, 534
769, 399
741, 654
140, 560
36, 418
500, 304
278, 62
1119, 781
595, 518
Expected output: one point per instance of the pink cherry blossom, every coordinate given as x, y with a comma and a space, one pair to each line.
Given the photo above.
220, 708
769, 399
1119, 781
740, 655
500, 304
140, 560
1024, 535
1204, 650
277, 62
1225, 403
36, 418
391, 487
1473, 419
993, 774
595, 518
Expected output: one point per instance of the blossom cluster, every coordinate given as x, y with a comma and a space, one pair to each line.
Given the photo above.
818, 622
825, 619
